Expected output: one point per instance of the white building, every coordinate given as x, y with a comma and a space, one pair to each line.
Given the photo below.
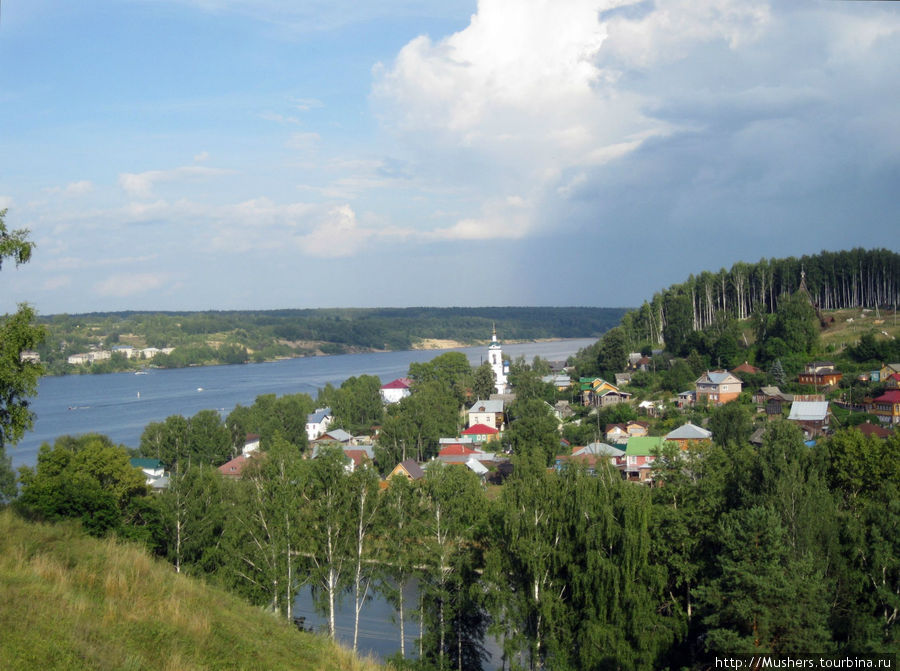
318, 422
498, 365
394, 392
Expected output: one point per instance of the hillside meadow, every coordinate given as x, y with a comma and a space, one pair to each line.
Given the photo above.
75, 602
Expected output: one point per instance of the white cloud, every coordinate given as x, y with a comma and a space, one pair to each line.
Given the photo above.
72, 188
6, 202
533, 91
337, 235
140, 185
130, 284
202, 156
507, 218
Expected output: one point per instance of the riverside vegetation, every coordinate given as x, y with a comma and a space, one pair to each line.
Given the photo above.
229, 337
771, 548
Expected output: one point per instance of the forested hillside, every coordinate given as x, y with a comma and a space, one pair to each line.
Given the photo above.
237, 336
835, 280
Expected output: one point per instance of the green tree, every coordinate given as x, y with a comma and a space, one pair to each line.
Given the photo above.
533, 430
400, 551
263, 534
194, 516
679, 322
483, 382
18, 376
731, 424
357, 405
450, 370
764, 600
327, 506
455, 509
613, 353
87, 478
413, 426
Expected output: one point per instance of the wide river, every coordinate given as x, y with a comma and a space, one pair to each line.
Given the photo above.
120, 405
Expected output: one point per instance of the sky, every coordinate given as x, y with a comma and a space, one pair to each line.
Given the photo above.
260, 154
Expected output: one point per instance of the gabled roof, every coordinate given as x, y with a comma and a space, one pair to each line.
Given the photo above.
643, 446
142, 462
487, 406
235, 467
412, 467
892, 396
358, 457
399, 383
745, 368
456, 450
598, 450
338, 435
476, 467
718, 377
689, 432
478, 429
874, 430
808, 411
317, 416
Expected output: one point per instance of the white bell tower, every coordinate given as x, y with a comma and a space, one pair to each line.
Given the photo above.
495, 357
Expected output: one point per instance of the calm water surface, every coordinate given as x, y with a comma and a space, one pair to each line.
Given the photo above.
120, 405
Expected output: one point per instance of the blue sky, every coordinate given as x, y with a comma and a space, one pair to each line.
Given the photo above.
240, 154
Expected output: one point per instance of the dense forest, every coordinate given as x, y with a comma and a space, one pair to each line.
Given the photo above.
857, 278
239, 336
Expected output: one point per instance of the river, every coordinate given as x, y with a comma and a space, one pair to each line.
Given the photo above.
120, 405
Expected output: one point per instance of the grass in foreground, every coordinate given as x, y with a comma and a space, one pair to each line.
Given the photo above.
74, 602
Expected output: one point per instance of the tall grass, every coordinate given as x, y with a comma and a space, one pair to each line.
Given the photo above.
68, 601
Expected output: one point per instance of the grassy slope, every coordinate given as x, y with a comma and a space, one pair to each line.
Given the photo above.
74, 602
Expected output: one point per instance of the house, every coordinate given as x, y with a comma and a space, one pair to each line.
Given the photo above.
481, 433
562, 410
746, 368
459, 454
820, 374
622, 379
561, 382
29, 356
651, 408
590, 455
152, 469
686, 399
318, 422
887, 370
358, 458
235, 468
487, 412
766, 394
811, 416
599, 393
408, 469
620, 433
395, 391
689, 435
251, 444
868, 429
640, 453
893, 381
335, 436
717, 387
887, 407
